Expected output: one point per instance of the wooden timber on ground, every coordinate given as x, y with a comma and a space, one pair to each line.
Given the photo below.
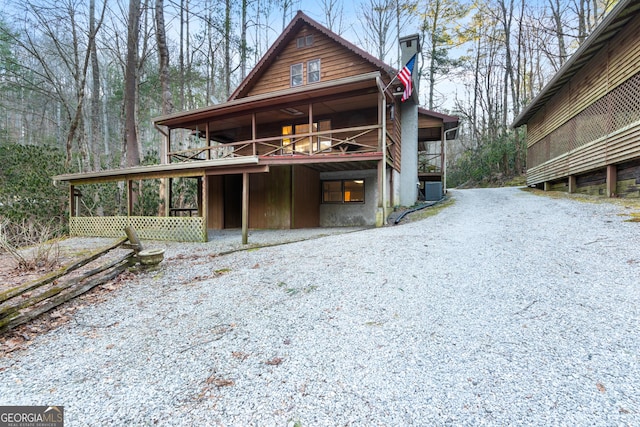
26, 302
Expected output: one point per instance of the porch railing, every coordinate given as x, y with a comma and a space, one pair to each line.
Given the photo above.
362, 139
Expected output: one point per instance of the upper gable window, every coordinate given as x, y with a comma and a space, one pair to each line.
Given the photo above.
304, 41
313, 71
296, 75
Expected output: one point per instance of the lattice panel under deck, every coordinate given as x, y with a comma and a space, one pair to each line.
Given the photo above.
616, 110
181, 229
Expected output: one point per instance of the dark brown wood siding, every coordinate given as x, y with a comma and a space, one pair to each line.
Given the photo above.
216, 202
306, 197
335, 62
270, 199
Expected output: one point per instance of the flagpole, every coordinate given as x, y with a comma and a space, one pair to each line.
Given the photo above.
392, 80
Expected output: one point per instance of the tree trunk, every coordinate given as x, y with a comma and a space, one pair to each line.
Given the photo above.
130, 85
227, 49
167, 103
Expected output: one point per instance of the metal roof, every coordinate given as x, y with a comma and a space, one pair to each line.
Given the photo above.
619, 16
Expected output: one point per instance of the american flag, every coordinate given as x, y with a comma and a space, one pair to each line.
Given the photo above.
405, 77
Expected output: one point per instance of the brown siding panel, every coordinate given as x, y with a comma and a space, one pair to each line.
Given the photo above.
270, 199
335, 62
216, 202
306, 197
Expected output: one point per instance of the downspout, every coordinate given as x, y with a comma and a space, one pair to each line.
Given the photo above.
444, 163
384, 159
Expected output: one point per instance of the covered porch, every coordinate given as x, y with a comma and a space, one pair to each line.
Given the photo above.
260, 162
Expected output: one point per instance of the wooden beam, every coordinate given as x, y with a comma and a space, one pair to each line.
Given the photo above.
254, 133
72, 201
206, 137
204, 205
169, 196
573, 184
245, 208
129, 197
612, 180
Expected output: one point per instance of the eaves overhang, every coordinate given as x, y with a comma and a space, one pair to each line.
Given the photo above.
619, 16
272, 100
172, 170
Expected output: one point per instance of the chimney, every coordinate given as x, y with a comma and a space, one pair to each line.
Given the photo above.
409, 46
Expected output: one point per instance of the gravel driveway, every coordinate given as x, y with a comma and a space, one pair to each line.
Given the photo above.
506, 308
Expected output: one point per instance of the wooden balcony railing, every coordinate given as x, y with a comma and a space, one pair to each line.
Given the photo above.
362, 139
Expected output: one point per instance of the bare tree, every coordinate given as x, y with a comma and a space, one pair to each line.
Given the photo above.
132, 145
333, 11
377, 22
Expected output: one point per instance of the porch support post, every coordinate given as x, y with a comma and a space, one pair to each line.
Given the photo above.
245, 208
72, 201
206, 137
203, 206
573, 186
612, 180
167, 148
169, 194
199, 194
254, 133
164, 159
129, 197
381, 213
311, 128
547, 186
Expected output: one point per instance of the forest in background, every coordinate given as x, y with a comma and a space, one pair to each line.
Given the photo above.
80, 80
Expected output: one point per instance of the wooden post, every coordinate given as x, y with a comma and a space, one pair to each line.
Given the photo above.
204, 205
169, 196
72, 201
245, 208
612, 180
207, 141
573, 186
254, 134
547, 186
134, 241
129, 197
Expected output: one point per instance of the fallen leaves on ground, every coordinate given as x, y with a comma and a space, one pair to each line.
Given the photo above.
274, 362
219, 382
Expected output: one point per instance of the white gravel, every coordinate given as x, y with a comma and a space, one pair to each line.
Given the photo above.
506, 308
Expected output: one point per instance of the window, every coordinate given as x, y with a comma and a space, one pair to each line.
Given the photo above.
343, 191
304, 41
303, 145
313, 71
296, 75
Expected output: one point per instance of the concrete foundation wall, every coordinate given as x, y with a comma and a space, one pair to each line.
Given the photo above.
352, 214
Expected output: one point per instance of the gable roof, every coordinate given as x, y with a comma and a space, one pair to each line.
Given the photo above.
288, 35
615, 21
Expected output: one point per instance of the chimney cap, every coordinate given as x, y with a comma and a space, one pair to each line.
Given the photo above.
409, 39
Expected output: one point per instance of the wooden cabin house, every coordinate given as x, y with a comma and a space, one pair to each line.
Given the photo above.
315, 136
583, 129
